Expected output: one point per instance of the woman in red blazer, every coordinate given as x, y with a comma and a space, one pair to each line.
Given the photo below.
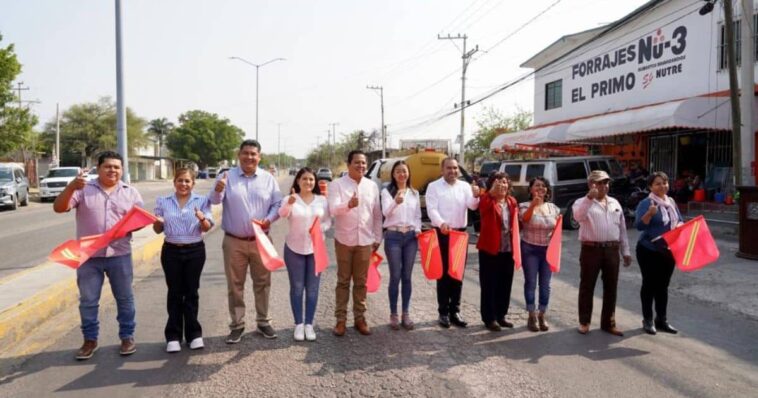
498, 210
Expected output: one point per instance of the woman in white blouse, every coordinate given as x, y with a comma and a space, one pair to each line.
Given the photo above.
402, 223
304, 204
538, 218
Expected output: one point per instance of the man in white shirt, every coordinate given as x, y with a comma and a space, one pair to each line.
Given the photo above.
447, 201
355, 204
602, 231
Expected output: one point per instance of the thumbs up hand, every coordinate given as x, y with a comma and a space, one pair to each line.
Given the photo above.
353, 201
475, 190
653, 209
400, 196
221, 183
292, 198
80, 180
199, 214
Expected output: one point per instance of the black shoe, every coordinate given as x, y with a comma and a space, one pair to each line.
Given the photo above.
267, 331
664, 326
493, 327
647, 326
503, 323
235, 336
457, 320
444, 321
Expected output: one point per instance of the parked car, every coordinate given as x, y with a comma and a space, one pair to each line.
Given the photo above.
487, 167
14, 187
202, 174
323, 174
568, 180
92, 174
212, 171
55, 181
293, 171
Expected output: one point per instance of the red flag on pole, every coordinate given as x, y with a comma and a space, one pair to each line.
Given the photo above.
374, 277
458, 245
692, 245
431, 260
269, 256
320, 256
516, 242
554, 247
74, 253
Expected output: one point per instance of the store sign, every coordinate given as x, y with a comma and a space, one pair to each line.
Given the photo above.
654, 58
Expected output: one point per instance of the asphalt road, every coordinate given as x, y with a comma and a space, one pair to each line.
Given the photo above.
28, 234
714, 355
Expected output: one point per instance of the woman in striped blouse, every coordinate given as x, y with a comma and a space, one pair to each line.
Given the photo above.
183, 217
301, 208
538, 218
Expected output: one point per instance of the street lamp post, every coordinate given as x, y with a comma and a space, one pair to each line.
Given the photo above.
257, 68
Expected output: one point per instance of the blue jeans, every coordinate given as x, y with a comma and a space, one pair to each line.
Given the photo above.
302, 272
90, 277
534, 260
400, 249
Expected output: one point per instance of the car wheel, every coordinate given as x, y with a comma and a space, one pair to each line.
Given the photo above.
572, 224
25, 202
14, 205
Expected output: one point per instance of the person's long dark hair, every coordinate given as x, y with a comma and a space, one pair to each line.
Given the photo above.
392, 187
296, 187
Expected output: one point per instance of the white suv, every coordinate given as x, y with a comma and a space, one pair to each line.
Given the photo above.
55, 181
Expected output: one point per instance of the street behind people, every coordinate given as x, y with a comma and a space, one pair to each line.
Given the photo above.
183, 216
249, 194
656, 214
538, 217
447, 201
301, 208
355, 204
100, 204
402, 211
602, 231
496, 265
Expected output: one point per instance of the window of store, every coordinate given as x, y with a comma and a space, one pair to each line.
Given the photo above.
723, 59
553, 94
568, 171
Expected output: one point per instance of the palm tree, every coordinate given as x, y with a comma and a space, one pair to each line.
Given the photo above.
160, 128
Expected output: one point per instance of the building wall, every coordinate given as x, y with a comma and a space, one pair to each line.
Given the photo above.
671, 52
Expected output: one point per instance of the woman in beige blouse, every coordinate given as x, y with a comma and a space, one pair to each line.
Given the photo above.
538, 218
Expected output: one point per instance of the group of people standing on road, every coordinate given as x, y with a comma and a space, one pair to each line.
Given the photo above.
363, 218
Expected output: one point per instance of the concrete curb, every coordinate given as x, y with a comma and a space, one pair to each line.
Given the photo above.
18, 322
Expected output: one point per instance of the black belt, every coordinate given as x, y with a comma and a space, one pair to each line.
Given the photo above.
601, 244
247, 238
454, 229
184, 245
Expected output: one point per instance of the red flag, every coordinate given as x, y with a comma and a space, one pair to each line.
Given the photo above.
516, 242
458, 245
431, 260
269, 256
319, 247
374, 277
554, 247
692, 245
74, 253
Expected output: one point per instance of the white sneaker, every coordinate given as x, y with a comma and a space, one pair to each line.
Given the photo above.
310, 334
197, 343
173, 346
299, 332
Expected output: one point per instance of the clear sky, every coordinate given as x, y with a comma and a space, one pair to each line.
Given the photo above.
177, 59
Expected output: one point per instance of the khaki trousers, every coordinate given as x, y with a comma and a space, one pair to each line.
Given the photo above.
239, 255
352, 263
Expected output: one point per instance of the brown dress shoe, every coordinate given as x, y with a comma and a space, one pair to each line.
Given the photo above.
614, 331
87, 351
339, 329
583, 328
127, 346
362, 327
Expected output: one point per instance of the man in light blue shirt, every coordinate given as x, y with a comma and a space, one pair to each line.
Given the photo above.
248, 194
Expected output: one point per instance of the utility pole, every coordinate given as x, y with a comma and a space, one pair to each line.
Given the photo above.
734, 90
20, 88
384, 128
120, 104
279, 145
334, 142
747, 100
466, 57
57, 136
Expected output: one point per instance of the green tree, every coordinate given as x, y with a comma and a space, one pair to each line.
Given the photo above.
333, 156
16, 122
492, 123
90, 128
160, 128
204, 138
